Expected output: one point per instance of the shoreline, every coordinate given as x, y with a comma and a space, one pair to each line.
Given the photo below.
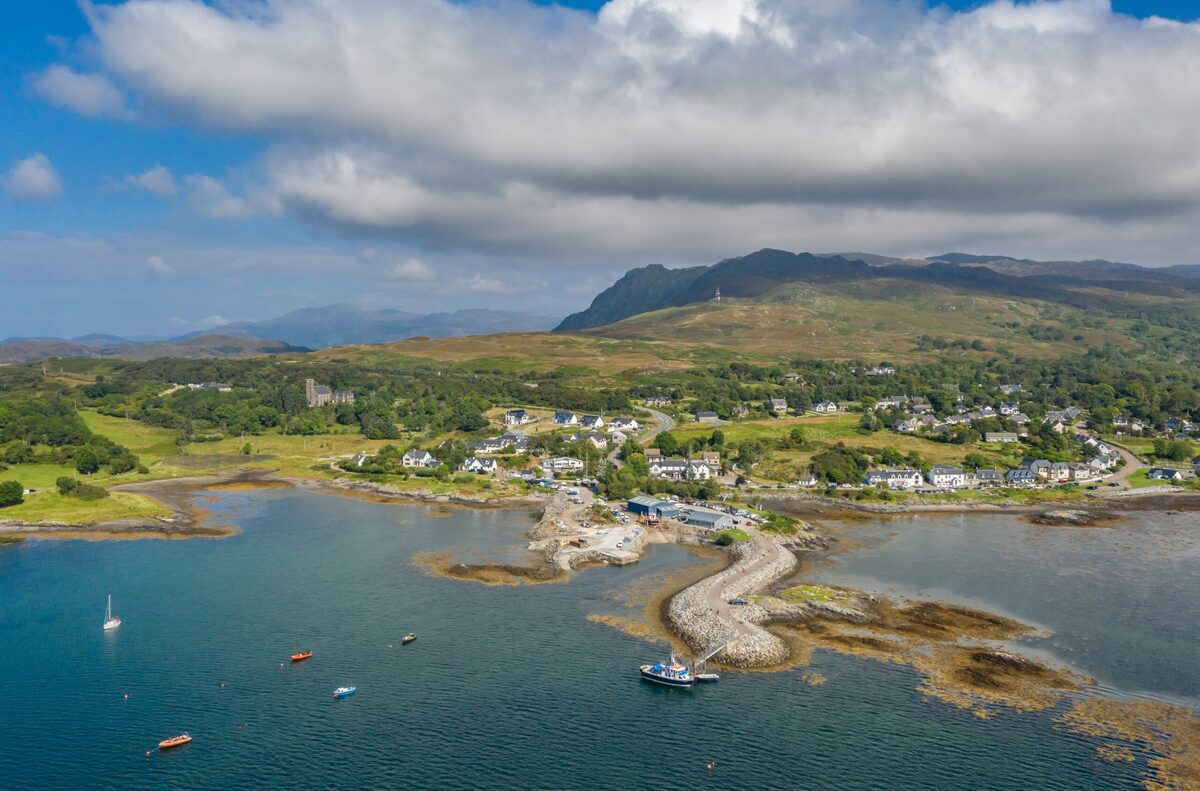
189, 519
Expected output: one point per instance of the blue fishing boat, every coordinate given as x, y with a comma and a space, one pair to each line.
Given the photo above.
344, 692
672, 673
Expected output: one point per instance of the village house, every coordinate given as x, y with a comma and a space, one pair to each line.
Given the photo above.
807, 480
592, 421
598, 441
894, 479
793, 378
418, 458
517, 417
490, 445
825, 407
892, 402
479, 466
1021, 478
1009, 407
707, 417
945, 477
652, 454
741, 410
920, 406
1164, 474
986, 477
680, 470
712, 520
657, 401
320, 395
1004, 437
881, 370
560, 464
618, 438
566, 418
623, 424
778, 405
1010, 389
1083, 472
1059, 472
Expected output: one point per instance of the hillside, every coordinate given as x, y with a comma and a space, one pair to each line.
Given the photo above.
1080, 284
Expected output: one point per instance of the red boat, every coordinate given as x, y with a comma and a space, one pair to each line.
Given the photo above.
174, 741
300, 657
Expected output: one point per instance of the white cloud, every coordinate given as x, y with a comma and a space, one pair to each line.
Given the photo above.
87, 94
479, 284
158, 180
210, 198
410, 269
33, 178
686, 130
159, 267
212, 321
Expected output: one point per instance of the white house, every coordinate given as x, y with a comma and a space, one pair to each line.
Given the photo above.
480, 466
807, 480
947, 477
826, 407
517, 417
562, 464
599, 441
894, 479
1004, 437
622, 424
418, 458
779, 405
657, 401
592, 421
680, 470
1164, 474
618, 437
566, 418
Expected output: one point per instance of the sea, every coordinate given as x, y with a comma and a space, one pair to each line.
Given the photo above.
513, 687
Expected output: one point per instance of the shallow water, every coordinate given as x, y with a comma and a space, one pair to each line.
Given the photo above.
505, 687
1119, 602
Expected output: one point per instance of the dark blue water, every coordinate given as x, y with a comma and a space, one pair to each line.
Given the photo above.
1118, 604
505, 687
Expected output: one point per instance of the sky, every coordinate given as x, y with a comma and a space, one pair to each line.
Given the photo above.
169, 165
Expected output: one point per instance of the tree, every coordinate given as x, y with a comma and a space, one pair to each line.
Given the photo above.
11, 493
974, 461
667, 443
87, 462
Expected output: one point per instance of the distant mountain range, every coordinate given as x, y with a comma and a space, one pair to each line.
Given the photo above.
298, 331
27, 350
342, 325
655, 287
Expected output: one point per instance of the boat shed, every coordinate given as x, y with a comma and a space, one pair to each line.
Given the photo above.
710, 519
652, 508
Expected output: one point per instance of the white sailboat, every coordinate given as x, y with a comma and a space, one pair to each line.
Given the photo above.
110, 621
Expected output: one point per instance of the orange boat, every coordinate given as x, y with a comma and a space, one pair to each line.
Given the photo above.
300, 657
174, 741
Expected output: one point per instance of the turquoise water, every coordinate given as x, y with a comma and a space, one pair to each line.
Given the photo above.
1118, 603
505, 687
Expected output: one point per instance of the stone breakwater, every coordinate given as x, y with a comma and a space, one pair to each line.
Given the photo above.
701, 616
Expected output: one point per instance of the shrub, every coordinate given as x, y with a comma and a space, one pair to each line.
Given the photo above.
11, 493
727, 537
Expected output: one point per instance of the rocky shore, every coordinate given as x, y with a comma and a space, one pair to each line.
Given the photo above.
692, 616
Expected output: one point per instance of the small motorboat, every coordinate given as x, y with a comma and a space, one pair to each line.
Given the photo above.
175, 741
708, 676
110, 620
300, 657
408, 638
344, 692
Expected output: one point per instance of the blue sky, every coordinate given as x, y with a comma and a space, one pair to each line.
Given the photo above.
396, 201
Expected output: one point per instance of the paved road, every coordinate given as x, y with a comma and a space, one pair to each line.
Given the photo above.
765, 550
662, 422
1132, 462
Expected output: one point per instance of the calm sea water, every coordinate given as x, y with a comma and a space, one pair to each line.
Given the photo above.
1118, 603
505, 687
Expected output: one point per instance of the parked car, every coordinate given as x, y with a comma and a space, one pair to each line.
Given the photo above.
739, 601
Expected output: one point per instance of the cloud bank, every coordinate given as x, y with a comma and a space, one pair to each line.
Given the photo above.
683, 130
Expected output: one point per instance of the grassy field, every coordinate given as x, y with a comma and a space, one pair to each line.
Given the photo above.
824, 430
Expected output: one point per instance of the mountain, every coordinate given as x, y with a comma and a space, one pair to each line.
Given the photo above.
208, 346
1083, 284
341, 325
